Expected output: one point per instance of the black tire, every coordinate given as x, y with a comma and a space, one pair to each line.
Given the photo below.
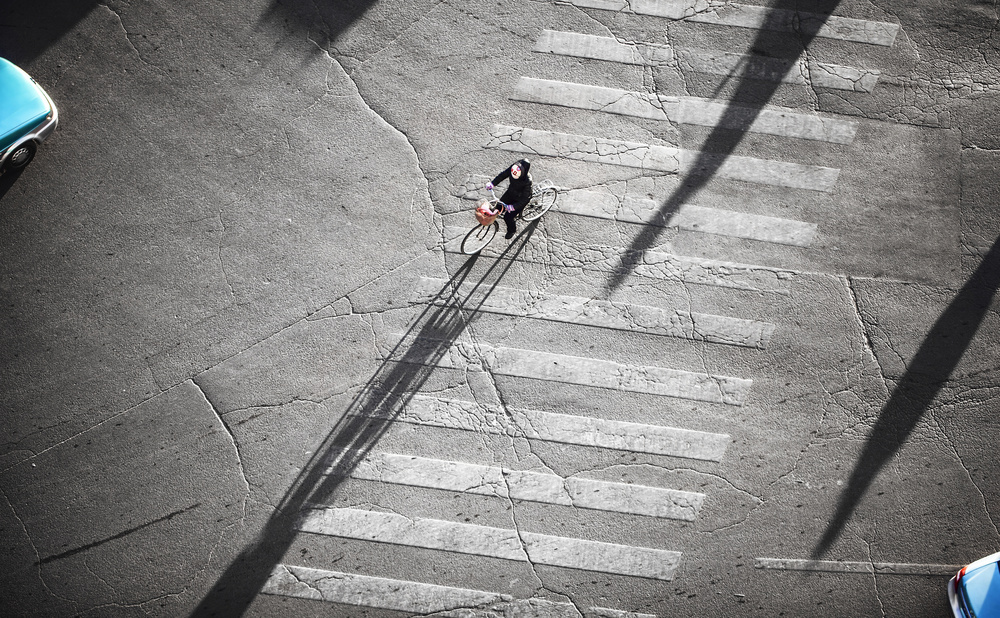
540, 204
21, 155
478, 237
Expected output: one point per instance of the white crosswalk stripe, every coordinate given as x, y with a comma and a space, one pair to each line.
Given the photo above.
419, 598
689, 217
657, 265
610, 314
686, 110
603, 48
757, 17
504, 543
524, 485
538, 365
801, 71
667, 159
562, 428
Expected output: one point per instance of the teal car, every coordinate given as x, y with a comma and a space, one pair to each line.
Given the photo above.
975, 591
27, 116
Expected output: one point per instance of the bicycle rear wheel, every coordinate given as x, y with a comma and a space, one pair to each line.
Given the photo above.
540, 204
478, 237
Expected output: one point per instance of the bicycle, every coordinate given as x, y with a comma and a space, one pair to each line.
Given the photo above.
543, 197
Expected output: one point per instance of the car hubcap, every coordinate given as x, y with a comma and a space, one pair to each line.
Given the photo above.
19, 156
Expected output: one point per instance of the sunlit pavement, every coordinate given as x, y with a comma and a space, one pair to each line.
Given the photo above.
746, 365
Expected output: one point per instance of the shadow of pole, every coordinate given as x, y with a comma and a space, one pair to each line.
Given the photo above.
27, 29
405, 369
925, 376
329, 17
728, 132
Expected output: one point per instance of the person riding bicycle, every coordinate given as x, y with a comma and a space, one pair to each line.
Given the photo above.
518, 192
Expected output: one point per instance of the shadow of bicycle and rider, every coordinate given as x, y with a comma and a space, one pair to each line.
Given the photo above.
446, 317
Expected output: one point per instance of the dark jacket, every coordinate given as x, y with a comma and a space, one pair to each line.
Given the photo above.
519, 191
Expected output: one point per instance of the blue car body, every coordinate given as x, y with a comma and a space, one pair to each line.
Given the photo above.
975, 591
27, 116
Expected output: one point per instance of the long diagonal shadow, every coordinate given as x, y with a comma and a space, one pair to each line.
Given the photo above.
366, 419
731, 128
925, 376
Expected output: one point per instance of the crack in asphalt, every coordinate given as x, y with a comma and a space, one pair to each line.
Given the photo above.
122, 534
235, 444
871, 561
34, 549
869, 345
958, 457
128, 38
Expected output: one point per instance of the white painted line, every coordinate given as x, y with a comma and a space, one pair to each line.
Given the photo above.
363, 590
757, 17
417, 598
685, 110
608, 314
597, 98
770, 120
867, 568
501, 543
538, 365
665, 159
689, 217
603, 612
563, 428
656, 265
602, 48
526, 485
800, 71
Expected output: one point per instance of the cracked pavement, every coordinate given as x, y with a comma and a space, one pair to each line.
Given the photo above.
207, 269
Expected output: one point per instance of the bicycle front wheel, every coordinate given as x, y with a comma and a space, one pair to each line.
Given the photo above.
540, 204
478, 237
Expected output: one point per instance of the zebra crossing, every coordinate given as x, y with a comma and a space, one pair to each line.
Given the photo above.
466, 475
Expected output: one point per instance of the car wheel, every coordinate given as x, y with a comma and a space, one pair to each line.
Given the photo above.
21, 156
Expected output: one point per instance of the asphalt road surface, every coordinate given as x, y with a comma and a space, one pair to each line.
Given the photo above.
747, 366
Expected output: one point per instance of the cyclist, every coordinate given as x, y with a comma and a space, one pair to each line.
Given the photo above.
518, 192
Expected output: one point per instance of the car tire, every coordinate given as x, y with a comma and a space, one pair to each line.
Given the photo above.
21, 155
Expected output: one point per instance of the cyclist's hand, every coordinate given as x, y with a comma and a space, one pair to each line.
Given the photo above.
489, 186
508, 208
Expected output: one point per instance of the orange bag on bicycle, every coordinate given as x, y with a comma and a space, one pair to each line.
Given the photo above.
486, 215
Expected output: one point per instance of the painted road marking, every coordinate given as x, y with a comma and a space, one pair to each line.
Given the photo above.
538, 365
597, 98
526, 485
603, 48
801, 71
667, 159
867, 568
609, 314
759, 17
563, 428
656, 265
689, 217
770, 120
501, 543
351, 589
417, 598
686, 110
